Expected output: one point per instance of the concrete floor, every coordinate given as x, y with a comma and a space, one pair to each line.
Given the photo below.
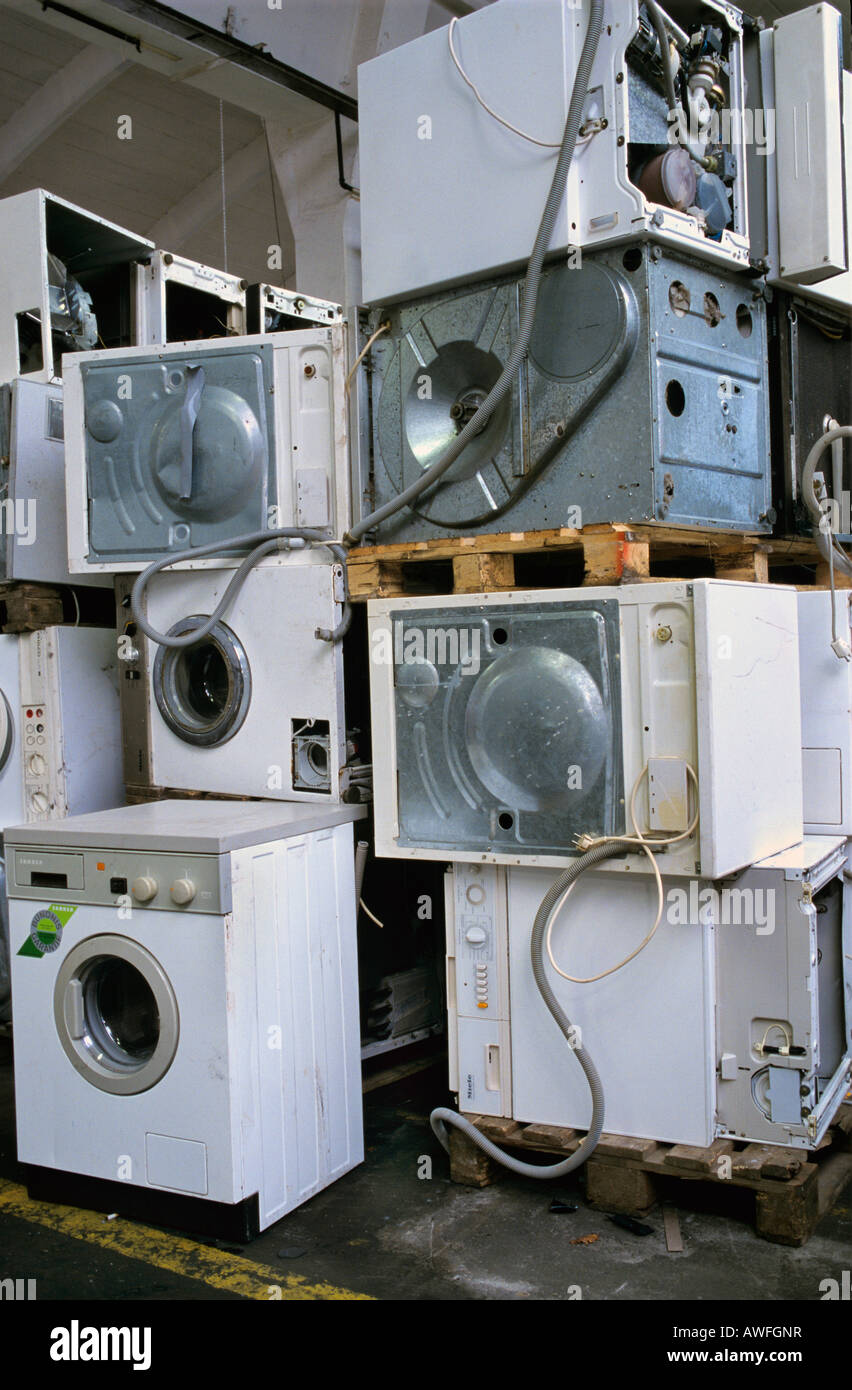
386, 1233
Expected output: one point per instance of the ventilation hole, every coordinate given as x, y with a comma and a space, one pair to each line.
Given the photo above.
499, 635
745, 322
632, 258
712, 310
505, 821
679, 298
675, 398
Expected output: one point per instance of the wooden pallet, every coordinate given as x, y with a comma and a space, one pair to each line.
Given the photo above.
135, 795
26, 607
29, 607
603, 555
793, 1188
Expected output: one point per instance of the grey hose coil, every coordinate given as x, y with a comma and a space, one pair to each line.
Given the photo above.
503, 384
440, 1118
825, 542
269, 540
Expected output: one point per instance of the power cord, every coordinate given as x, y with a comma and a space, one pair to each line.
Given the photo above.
648, 847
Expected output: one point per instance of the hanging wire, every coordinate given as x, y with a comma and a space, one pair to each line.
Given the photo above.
272, 183
222, 172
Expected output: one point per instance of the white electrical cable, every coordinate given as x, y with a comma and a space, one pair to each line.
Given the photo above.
647, 846
372, 916
543, 144
784, 1051
382, 328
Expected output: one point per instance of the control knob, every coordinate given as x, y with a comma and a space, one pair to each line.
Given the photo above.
182, 891
144, 888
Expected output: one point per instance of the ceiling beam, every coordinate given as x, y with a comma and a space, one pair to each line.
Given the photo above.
47, 108
243, 170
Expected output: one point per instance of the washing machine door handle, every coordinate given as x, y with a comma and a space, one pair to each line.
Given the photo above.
188, 416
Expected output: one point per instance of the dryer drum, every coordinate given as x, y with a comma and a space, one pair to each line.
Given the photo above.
203, 692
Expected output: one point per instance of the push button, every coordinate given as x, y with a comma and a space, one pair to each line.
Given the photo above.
118, 885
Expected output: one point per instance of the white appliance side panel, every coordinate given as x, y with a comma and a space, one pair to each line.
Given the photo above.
65, 1122
749, 722
37, 543
648, 1027
91, 719
294, 909
295, 676
11, 773
477, 214
812, 230
826, 714
23, 277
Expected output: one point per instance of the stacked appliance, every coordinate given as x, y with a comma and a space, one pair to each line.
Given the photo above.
66, 282
185, 1008
614, 775
217, 462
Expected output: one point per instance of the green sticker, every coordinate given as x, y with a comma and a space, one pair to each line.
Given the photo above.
46, 930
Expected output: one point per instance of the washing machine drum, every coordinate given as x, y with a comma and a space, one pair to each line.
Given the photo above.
116, 1014
508, 726
203, 691
178, 449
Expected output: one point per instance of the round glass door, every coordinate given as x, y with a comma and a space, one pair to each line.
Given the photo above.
203, 692
116, 1014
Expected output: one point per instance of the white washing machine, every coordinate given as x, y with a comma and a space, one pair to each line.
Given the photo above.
60, 730
508, 724
254, 709
185, 990
732, 1021
193, 443
60, 735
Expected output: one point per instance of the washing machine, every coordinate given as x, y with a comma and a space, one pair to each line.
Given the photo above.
255, 708
507, 725
732, 1021
60, 736
190, 444
60, 729
185, 1000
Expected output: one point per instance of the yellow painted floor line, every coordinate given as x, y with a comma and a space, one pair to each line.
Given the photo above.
210, 1266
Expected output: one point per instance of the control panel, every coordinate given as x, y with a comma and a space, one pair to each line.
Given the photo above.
274, 310
44, 778
122, 878
479, 946
478, 988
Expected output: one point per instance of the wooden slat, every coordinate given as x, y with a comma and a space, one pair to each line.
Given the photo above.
615, 558
550, 1138
697, 1160
483, 573
622, 1146
498, 1129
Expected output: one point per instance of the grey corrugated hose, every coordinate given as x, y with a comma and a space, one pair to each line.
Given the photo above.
442, 1117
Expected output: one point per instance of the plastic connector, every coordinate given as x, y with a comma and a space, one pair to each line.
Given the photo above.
841, 649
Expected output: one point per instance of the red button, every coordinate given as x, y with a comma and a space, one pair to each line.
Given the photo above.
29, 714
